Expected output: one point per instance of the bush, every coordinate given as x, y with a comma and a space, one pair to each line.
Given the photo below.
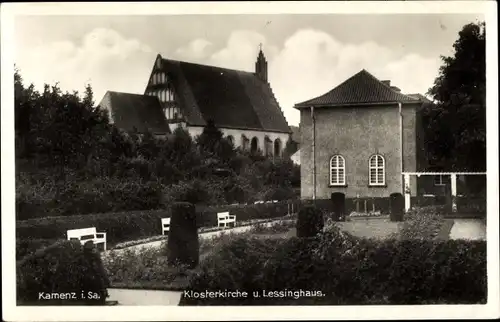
310, 221
234, 264
183, 246
145, 269
64, 267
422, 223
30, 245
346, 270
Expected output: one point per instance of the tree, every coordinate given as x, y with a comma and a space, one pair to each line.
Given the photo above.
212, 142
456, 124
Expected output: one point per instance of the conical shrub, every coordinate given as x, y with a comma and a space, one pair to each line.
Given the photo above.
310, 221
183, 246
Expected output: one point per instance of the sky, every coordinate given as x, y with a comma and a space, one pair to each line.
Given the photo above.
307, 55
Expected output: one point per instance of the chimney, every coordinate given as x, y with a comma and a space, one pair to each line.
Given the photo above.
387, 82
396, 89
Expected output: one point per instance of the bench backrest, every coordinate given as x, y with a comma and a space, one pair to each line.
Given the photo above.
223, 215
165, 221
88, 233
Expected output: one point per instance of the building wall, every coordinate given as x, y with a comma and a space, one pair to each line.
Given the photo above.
237, 133
357, 133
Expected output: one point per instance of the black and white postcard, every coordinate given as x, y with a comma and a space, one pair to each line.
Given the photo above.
249, 160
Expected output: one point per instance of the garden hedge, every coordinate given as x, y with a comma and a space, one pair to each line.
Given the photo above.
66, 268
346, 270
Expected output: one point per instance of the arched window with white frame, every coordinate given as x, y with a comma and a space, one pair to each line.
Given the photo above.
337, 170
377, 170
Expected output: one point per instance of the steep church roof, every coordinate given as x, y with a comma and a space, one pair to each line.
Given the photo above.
361, 89
231, 98
135, 112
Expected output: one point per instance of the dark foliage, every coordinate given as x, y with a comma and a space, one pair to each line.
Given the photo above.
183, 247
456, 131
346, 270
65, 267
310, 221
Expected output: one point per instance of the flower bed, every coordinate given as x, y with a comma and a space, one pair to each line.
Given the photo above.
365, 215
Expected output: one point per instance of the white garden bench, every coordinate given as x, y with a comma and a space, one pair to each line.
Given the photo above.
165, 225
224, 218
85, 235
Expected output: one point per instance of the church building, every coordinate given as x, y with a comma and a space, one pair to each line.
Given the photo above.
240, 103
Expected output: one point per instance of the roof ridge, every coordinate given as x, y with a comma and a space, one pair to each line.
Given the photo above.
211, 66
116, 92
387, 86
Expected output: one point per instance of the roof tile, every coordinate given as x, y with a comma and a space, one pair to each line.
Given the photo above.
134, 111
362, 88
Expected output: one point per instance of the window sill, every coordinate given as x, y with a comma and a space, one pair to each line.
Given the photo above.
337, 185
377, 186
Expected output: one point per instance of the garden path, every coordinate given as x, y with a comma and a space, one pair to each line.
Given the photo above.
144, 297
474, 229
156, 244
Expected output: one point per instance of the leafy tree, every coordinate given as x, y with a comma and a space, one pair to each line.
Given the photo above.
212, 142
290, 148
456, 134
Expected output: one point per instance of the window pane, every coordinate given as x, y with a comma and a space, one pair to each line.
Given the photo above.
380, 176
333, 179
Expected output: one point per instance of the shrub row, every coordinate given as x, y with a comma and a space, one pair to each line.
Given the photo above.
346, 270
125, 226
62, 269
208, 215
118, 226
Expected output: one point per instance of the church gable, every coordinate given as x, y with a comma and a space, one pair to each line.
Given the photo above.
230, 98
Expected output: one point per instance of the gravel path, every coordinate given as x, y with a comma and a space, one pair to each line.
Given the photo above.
473, 229
211, 234
144, 297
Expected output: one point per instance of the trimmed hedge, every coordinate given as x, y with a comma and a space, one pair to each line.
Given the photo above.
28, 246
344, 270
62, 268
207, 216
125, 226
118, 226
